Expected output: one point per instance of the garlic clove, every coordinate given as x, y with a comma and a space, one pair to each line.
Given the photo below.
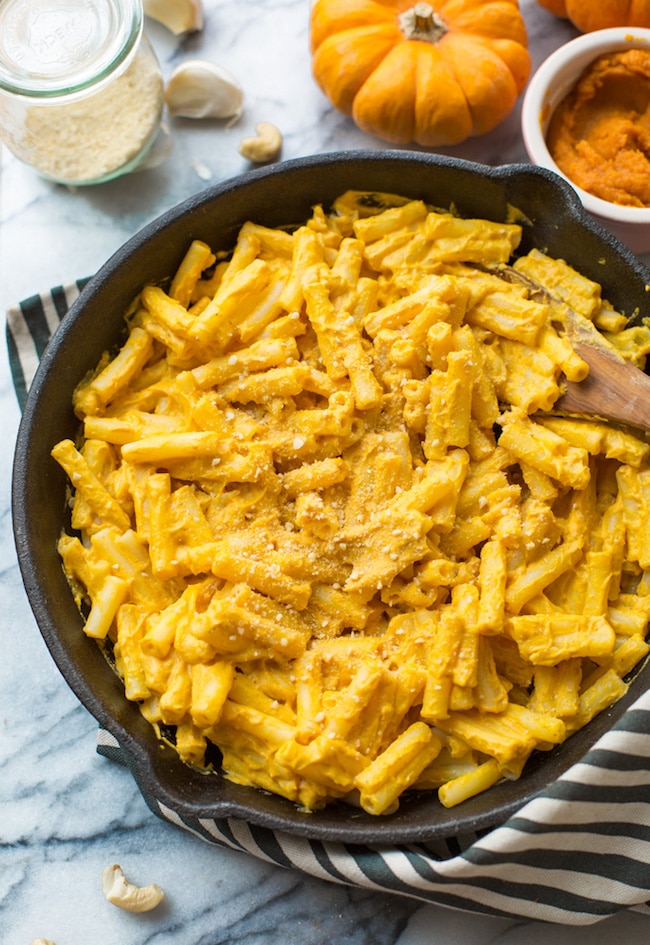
201, 89
179, 16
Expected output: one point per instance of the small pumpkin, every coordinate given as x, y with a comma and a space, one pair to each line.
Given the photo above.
558, 7
587, 15
431, 73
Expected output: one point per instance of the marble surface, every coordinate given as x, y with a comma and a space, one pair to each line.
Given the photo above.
66, 812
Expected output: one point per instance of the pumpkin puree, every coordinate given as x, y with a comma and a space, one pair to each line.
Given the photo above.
599, 136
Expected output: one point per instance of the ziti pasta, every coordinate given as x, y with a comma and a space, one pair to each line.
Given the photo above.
327, 521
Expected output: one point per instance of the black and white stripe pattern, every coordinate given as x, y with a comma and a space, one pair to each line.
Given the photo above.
575, 854
30, 325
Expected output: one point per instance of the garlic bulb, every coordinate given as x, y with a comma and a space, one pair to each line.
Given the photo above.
179, 16
200, 89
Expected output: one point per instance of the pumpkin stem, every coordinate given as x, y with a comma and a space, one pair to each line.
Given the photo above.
421, 22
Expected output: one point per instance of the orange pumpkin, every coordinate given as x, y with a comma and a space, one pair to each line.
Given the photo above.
431, 73
588, 15
558, 7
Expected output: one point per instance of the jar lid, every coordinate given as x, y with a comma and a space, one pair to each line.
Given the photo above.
59, 49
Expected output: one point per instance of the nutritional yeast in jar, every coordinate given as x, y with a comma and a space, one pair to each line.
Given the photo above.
81, 92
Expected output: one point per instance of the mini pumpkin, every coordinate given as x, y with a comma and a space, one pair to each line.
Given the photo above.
430, 73
558, 7
586, 15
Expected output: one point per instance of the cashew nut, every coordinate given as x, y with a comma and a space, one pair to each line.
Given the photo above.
41, 941
179, 16
127, 896
265, 147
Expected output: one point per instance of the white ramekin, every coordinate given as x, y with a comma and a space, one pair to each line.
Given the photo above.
552, 81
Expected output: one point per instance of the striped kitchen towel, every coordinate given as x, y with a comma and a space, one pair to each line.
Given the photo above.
575, 854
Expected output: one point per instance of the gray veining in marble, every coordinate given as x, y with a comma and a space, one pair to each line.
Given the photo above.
65, 812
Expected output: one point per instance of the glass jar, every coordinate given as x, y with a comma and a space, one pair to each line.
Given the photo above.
81, 91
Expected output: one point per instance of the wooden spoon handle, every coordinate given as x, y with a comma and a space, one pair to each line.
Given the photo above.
614, 390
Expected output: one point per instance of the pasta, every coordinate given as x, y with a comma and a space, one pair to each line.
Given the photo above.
328, 523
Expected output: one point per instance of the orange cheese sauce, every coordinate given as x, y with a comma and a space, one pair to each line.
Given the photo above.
599, 136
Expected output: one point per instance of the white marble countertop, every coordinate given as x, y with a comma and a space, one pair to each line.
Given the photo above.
67, 812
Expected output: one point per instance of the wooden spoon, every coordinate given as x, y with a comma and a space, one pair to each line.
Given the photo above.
614, 389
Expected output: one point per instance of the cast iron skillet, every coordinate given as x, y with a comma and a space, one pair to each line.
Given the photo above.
554, 221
